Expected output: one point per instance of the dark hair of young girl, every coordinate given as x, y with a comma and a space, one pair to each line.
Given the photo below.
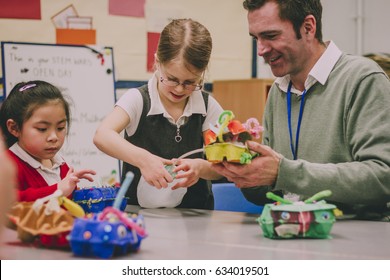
23, 100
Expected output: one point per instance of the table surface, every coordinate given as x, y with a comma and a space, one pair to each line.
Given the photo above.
206, 235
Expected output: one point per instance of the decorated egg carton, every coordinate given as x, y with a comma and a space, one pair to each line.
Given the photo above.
312, 218
95, 199
45, 222
226, 140
107, 234
110, 232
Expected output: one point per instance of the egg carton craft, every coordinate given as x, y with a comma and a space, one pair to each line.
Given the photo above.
226, 140
45, 222
108, 233
312, 218
95, 199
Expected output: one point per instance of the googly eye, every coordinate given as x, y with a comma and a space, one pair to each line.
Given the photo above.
121, 231
140, 222
285, 215
325, 215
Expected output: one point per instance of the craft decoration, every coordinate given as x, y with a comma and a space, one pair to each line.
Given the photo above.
170, 169
226, 140
44, 222
110, 179
95, 199
111, 232
312, 218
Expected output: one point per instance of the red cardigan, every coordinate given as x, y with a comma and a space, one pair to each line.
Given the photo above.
31, 184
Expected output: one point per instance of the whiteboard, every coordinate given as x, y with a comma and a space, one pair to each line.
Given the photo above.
83, 73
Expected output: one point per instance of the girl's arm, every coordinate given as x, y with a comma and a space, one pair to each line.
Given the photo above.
30, 184
108, 139
33, 186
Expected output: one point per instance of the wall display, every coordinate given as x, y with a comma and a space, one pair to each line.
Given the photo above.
85, 74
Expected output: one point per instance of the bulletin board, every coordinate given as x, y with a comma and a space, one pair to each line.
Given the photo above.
85, 75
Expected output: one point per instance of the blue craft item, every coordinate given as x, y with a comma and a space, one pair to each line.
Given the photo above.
111, 232
107, 234
122, 191
95, 199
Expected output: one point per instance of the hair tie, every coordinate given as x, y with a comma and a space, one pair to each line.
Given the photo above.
23, 88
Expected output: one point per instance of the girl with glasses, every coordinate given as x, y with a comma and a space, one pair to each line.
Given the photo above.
165, 119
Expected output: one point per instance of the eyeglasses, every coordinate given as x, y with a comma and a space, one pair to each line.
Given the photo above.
186, 86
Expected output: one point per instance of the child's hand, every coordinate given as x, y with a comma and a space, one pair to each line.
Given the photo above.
68, 184
190, 172
154, 172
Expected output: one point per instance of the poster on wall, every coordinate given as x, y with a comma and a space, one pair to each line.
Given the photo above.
60, 19
85, 75
130, 8
156, 19
21, 9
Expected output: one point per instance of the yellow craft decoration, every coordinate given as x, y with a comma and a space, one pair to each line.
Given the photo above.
224, 120
75, 209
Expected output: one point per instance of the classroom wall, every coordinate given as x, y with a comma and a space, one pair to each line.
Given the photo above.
356, 26
225, 19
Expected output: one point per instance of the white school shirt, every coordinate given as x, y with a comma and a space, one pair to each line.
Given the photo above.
320, 71
132, 103
51, 175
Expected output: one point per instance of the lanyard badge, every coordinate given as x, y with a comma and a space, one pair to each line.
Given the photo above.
294, 150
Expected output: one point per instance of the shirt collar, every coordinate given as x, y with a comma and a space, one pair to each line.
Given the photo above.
57, 160
319, 73
195, 104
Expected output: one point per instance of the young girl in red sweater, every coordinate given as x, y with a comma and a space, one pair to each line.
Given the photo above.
34, 119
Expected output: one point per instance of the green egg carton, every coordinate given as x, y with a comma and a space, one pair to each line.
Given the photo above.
312, 218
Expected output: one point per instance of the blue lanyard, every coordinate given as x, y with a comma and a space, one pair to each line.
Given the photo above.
294, 151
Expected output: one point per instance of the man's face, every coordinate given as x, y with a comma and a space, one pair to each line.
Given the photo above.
277, 42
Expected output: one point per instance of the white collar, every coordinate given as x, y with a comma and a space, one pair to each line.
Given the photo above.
195, 104
320, 71
57, 160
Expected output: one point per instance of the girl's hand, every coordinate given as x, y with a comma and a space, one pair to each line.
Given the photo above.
69, 183
188, 172
154, 172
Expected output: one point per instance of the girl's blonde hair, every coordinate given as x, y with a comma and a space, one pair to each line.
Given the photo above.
188, 40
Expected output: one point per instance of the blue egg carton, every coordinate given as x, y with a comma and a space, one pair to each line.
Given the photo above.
107, 234
95, 199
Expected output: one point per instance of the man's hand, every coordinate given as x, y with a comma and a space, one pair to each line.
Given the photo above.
263, 170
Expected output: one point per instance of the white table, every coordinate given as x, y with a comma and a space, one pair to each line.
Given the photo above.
202, 234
